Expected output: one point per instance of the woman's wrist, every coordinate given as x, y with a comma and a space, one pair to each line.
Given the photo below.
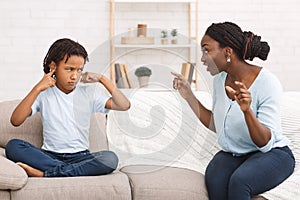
247, 111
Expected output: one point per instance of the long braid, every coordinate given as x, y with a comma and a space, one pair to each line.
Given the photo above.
245, 44
61, 48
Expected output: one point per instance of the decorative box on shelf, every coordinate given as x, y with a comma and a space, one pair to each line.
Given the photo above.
137, 40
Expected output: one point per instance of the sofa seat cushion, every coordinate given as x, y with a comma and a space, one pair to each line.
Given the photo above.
4, 195
158, 182
12, 176
107, 187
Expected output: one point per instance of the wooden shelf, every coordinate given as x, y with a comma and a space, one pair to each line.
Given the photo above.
191, 46
154, 46
154, 1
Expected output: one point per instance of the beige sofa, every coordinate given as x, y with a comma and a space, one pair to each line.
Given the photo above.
122, 184
140, 182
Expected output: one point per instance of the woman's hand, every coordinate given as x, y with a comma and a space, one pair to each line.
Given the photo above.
241, 95
89, 77
204, 115
182, 85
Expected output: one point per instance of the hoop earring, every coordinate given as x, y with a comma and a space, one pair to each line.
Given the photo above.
228, 60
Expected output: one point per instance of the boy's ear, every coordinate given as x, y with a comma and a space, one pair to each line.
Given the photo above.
52, 66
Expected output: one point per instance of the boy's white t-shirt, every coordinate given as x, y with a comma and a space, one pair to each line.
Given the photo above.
66, 117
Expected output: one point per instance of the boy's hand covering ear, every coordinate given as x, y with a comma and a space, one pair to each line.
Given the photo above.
46, 82
89, 77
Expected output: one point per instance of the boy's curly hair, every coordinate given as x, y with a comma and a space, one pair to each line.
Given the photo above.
61, 48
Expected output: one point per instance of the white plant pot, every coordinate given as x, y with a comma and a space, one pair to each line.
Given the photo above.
143, 81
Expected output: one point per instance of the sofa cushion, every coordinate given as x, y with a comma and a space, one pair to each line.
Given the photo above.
158, 182
30, 130
12, 176
108, 187
2, 152
4, 195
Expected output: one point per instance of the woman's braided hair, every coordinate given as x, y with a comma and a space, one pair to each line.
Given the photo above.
245, 44
61, 48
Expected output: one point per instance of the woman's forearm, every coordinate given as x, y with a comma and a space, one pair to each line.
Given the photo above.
260, 134
203, 114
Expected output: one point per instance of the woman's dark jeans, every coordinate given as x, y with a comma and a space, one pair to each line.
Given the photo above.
232, 177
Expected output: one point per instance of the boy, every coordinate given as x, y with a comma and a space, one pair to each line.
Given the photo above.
65, 109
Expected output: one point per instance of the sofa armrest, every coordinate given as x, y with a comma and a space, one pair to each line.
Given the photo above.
12, 177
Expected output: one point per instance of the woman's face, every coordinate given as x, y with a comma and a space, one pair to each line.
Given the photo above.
213, 55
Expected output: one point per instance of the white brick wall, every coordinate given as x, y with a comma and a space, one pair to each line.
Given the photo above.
29, 27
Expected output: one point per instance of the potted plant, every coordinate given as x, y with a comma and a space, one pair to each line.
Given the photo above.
143, 73
174, 34
164, 37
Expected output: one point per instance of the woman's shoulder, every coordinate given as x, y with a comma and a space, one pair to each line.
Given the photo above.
267, 85
268, 80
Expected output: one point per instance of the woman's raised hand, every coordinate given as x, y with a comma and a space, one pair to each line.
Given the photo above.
182, 85
241, 95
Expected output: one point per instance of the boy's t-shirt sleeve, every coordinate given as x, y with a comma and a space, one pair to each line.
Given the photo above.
35, 106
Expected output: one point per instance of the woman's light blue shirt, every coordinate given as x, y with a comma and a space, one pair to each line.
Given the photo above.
231, 127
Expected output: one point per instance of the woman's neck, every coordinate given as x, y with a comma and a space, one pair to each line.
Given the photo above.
242, 72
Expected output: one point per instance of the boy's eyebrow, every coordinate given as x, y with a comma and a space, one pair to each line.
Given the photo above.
70, 66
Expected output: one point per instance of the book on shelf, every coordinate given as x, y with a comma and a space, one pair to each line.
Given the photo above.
184, 70
191, 73
123, 79
187, 70
119, 81
123, 76
129, 80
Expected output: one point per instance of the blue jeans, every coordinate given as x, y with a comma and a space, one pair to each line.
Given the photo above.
54, 164
231, 177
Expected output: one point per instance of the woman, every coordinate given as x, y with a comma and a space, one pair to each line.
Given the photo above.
254, 155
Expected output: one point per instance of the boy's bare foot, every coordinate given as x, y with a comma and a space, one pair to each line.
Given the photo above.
32, 172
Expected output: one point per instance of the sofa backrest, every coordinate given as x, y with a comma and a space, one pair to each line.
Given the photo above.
31, 129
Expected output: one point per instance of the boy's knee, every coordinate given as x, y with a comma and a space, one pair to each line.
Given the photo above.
113, 160
108, 161
12, 144
11, 147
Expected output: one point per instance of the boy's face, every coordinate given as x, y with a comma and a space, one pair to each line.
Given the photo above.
68, 73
